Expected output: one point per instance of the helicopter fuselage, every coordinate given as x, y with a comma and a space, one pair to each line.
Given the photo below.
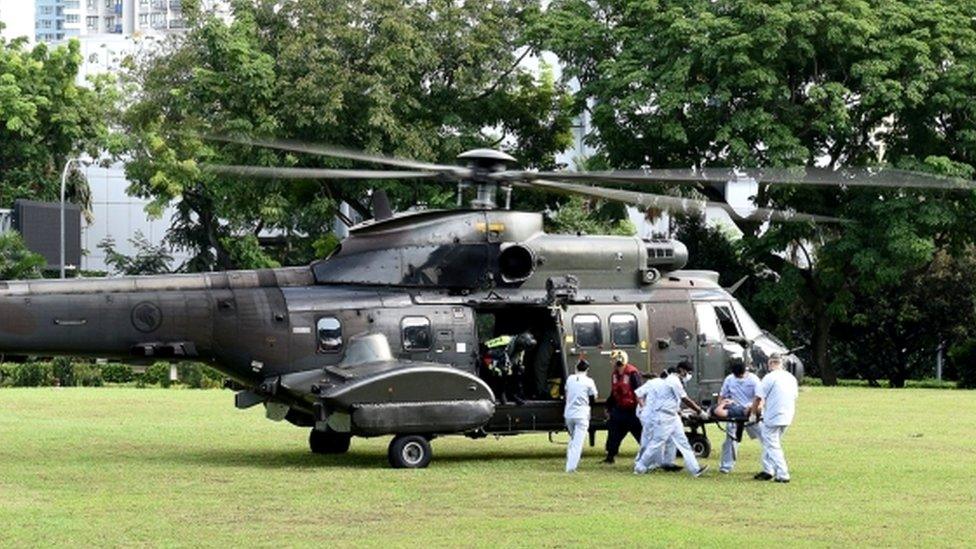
431, 288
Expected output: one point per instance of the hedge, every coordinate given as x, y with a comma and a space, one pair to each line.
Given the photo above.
65, 372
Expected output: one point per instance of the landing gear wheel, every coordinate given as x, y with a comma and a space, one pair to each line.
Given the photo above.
328, 442
700, 444
409, 452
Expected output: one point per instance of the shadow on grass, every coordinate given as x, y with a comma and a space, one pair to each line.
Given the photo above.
299, 459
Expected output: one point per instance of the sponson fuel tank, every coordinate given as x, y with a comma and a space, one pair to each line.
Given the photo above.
479, 249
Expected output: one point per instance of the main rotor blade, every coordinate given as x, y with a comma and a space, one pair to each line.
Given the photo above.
339, 152
675, 204
314, 173
848, 177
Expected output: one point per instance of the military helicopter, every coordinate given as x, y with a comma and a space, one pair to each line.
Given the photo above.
384, 336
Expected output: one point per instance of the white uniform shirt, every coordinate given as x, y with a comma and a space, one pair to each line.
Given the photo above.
579, 389
778, 391
742, 390
669, 397
649, 392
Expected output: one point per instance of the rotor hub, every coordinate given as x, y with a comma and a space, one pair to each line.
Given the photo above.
483, 163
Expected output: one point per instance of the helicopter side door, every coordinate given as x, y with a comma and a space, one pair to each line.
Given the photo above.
593, 331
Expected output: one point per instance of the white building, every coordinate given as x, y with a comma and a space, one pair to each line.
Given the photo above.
119, 216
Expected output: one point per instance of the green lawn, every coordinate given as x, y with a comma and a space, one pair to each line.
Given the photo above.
177, 467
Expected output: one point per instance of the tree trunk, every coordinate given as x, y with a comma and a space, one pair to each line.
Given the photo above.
898, 373
821, 352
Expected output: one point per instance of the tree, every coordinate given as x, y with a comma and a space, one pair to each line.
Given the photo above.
46, 118
806, 82
150, 258
418, 80
16, 261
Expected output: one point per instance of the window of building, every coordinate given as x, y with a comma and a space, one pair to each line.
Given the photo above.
329, 331
623, 330
143, 19
91, 4
415, 333
587, 330
91, 22
72, 18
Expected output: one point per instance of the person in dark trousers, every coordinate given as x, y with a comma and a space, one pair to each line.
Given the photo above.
622, 404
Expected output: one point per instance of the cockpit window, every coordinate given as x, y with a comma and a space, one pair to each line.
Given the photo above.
749, 327
708, 327
726, 320
329, 334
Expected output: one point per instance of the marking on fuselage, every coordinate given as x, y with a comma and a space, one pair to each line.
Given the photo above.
301, 330
146, 317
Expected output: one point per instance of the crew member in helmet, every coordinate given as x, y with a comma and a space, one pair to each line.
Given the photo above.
505, 362
622, 403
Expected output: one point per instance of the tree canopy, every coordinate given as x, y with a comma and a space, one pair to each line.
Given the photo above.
784, 83
426, 81
46, 118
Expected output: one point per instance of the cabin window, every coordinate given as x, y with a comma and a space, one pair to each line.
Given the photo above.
623, 330
587, 330
415, 332
726, 320
330, 334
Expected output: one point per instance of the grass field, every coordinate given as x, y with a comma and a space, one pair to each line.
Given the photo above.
131, 467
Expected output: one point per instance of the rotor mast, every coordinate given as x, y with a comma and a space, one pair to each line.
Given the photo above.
483, 163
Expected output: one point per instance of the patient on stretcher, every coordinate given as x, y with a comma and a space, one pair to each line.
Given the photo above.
728, 409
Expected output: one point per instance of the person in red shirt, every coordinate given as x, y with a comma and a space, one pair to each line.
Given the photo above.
622, 403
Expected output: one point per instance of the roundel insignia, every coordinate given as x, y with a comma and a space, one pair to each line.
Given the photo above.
146, 317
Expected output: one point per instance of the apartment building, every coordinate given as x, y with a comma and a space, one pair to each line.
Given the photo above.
132, 16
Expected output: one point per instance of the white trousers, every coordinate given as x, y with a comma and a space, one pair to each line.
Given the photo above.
773, 459
578, 429
730, 448
647, 433
666, 430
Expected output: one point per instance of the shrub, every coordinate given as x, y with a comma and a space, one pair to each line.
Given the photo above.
117, 373
963, 356
157, 374
88, 374
63, 371
33, 374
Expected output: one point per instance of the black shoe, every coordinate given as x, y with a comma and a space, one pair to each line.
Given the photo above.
782, 480
672, 468
763, 475
701, 471
608, 460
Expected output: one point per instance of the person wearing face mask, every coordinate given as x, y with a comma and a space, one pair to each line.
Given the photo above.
646, 412
668, 426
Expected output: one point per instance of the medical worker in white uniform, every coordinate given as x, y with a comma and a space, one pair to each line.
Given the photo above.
580, 392
668, 425
777, 396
